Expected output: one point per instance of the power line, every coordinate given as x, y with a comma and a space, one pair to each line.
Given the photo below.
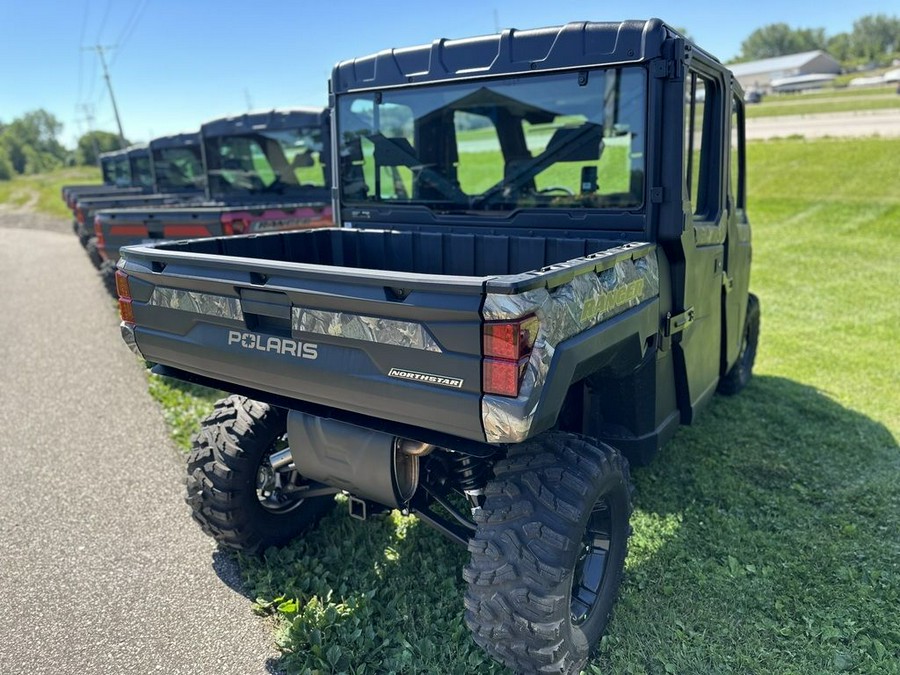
128, 30
92, 79
84, 20
103, 21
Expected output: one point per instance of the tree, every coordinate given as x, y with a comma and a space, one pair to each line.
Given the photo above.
91, 144
779, 39
840, 46
30, 142
875, 36
6, 167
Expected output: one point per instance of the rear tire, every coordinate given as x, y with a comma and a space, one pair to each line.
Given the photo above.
548, 553
739, 376
108, 276
223, 471
93, 253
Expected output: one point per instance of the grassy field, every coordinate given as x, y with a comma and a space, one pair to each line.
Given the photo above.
799, 105
42, 191
766, 537
833, 92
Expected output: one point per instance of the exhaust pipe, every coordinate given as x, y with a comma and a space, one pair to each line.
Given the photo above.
368, 464
281, 459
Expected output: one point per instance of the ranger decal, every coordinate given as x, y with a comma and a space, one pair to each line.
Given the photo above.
609, 300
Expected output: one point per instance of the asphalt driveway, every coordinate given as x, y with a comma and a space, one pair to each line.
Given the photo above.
101, 568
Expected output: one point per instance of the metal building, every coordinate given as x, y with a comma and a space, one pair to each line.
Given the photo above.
760, 74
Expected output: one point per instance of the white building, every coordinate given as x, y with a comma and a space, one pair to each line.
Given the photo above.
759, 74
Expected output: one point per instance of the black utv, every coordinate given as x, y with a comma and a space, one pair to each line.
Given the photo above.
540, 271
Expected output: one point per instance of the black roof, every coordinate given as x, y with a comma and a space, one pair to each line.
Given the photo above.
130, 151
137, 151
580, 44
271, 120
175, 141
114, 154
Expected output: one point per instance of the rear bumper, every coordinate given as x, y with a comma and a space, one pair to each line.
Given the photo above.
343, 374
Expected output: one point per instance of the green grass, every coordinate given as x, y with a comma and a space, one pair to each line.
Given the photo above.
801, 107
766, 536
183, 405
42, 192
832, 92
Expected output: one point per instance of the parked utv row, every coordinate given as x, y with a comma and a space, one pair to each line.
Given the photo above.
250, 173
142, 164
539, 270
124, 172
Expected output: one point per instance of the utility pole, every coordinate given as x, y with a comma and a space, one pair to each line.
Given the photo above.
100, 49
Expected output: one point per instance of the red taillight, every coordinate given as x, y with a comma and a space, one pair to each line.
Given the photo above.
503, 377
510, 340
122, 287
507, 347
98, 232
79, 215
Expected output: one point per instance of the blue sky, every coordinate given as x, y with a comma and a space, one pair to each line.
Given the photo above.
181, 62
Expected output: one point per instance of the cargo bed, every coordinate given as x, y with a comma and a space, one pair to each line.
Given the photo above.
116, 228
386, 324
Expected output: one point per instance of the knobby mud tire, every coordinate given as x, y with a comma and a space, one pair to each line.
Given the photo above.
222, 478
108, 277
525, 552
739, 376
93, 254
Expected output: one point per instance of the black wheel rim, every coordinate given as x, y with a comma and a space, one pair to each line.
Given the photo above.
270, 484
592, 562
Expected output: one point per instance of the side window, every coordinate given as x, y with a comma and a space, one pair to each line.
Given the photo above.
702, 181
738, 161
142, 169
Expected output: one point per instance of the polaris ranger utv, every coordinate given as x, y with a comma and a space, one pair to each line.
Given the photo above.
107, 173
170, 154
266, 171
542, 269
124, 173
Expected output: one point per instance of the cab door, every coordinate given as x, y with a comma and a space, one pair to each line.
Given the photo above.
698, 328
736, 282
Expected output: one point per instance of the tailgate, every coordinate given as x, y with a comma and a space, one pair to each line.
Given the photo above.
392, 345
134, 226
127, 227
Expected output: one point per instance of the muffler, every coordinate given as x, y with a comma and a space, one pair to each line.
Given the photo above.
368, 464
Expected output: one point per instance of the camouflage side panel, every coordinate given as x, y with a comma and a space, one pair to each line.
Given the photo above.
368, 328
198, 303
565, 311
